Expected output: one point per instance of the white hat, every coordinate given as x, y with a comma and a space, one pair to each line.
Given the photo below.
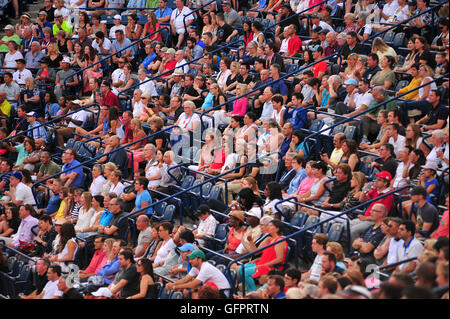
77, 102
9, 27
430, 165
178, 71
117, 17
102, 292
255, 212
58, 13
66, 59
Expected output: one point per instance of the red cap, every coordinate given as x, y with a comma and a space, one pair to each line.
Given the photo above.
385, 175
211, 284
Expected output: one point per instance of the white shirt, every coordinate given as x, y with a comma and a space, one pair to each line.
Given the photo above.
118, 189
20, 77
118, 75
209, 273
184, 66
10, 59
413, 249
398, 144
24, 194
138, 107
164, 251
177, 18
78, 116
360, 99
326, 26
389, 9
96, 186
187, 123
84, 218
284, 45
399, 180
392, 255
148, 87
112, 32
51, 290
105, 46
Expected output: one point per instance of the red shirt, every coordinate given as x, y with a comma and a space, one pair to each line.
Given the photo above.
387, 201
128, 133
294, 44
442, 230
96, 262
319, 67
111, 99
169, 66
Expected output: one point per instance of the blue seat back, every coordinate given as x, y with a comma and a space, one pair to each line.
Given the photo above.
335, 232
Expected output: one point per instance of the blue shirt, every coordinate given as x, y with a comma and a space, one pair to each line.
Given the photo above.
52, 109
78, 182
162, 14
435, 191
144, 197
39, 132
297, 116
280, 88
295, 182
208, 101
147, 61
109, 269
285, 146
126, 43
105, 219
53, 204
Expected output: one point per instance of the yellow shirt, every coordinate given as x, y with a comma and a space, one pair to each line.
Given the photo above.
336, 156
5, 107
412, 85
62, 207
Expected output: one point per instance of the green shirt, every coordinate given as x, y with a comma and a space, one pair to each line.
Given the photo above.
152, 4
389, 106
51, 169
66, 26
14, 37
22, 154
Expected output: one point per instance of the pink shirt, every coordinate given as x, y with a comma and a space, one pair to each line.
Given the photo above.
305, 185
240, 107
443, 226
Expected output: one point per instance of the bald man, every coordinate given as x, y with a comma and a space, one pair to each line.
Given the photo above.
145, 235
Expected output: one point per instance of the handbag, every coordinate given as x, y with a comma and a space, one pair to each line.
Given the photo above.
25, 247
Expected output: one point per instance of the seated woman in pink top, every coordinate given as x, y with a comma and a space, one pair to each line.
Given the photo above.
239, 107
306, 184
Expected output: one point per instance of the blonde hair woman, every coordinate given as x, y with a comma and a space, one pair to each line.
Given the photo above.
85, 213
427, 75
380, 48
338, 251
349, 20
231, 82
349, 72
138, 134
109, 168
31, 96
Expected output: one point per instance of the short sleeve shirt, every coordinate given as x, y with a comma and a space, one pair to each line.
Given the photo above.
79, 170
132, 277
209, 273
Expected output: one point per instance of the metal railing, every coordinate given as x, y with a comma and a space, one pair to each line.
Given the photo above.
353, 117
404, 22
112, 54
180, 66
305, 229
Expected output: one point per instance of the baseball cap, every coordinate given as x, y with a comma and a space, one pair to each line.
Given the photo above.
117, 17
186, 247
66, 59
171, 51
164, 49
32, 114
239, 214
351, 81
316, 29
412, 3
17, 175
197, 254
43, 12
57, 13
385, 175
226, 3
419, 190
430, 165
202, 209
315, 15
102, 292
286, 5
20, 61
77, 102
26, 15
45, 60
317, 47
9, 27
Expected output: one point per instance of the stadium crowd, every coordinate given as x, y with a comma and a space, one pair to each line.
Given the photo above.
239, 86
